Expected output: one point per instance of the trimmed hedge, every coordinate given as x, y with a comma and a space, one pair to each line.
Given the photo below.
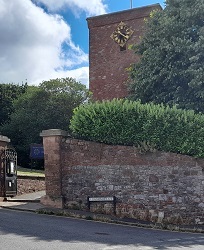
132, 123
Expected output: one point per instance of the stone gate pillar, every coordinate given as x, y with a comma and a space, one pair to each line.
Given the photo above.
4, 141
53, 173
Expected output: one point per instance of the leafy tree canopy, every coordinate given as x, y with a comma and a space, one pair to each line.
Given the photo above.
8, 93
172, 57
47, 106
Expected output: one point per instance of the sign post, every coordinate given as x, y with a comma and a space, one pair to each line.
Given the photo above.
36, 152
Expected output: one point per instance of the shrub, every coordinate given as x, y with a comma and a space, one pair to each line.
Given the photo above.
132, 123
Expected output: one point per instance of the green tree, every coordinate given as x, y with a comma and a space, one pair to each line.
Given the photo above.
172, 57
47, 106
8, 93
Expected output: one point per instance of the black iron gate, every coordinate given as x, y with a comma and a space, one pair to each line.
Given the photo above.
8, 173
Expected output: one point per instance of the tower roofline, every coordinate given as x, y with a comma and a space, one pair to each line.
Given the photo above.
139, 12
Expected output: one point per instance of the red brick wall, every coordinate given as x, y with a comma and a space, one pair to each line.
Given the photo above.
150, 186
107, 64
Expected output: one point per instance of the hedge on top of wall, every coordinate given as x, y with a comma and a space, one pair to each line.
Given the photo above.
147, 126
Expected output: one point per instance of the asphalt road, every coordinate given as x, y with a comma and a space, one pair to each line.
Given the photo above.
30, 231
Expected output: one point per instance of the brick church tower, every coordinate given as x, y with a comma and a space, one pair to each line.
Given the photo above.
109, 56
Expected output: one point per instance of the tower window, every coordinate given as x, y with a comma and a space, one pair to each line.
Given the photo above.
123, 48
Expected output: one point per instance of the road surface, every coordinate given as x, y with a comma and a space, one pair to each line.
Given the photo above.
30, 231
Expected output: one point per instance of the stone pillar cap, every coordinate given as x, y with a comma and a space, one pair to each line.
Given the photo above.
4, 138
54, 132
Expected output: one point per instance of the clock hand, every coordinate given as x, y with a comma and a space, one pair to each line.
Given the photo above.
122, 34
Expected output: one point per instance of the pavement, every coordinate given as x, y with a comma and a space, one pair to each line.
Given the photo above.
31, 203
26, 202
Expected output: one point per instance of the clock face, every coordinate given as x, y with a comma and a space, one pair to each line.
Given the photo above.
122, 34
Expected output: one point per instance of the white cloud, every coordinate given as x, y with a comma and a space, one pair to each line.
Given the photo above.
31, 45
91, 7
81, 74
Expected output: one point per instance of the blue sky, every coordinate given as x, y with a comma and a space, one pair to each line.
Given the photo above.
47, 39
81, 38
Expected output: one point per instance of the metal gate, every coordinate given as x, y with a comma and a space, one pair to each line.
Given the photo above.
8, 173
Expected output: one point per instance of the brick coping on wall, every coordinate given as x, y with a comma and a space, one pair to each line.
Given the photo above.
53, 132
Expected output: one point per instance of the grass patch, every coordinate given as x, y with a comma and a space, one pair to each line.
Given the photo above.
29, 172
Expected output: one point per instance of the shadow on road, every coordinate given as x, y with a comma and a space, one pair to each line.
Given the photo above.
52, 228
